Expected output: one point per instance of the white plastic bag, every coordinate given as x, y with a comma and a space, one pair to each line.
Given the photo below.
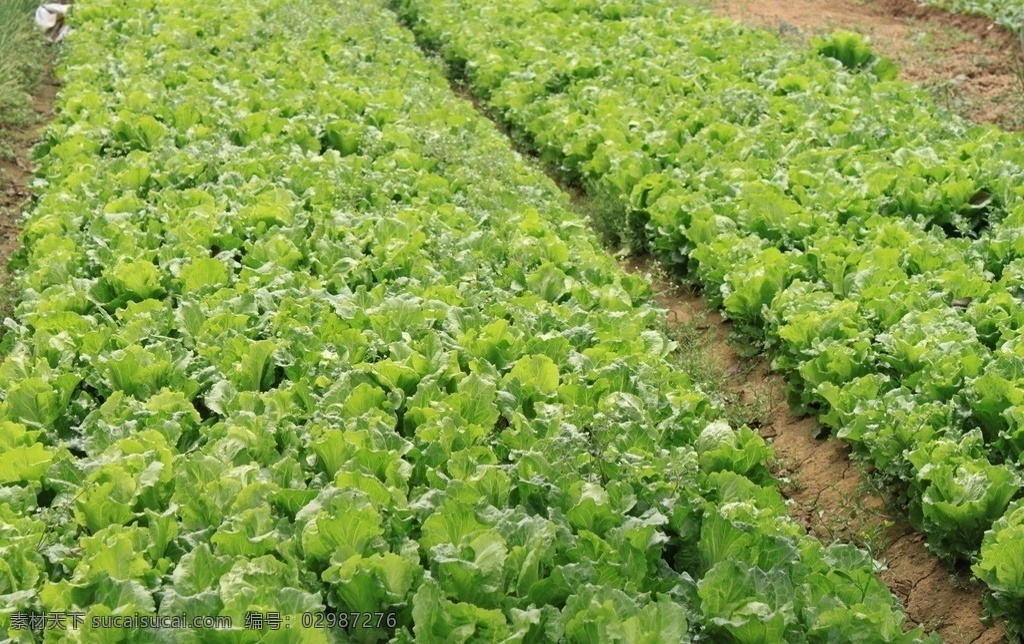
50, 18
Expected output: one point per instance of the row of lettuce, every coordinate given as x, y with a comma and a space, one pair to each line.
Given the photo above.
872, 243
300, 333
1008, 13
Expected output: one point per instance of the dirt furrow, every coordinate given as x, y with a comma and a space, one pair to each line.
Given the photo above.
15, 178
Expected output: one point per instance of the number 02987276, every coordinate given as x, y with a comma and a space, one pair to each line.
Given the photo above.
349, 620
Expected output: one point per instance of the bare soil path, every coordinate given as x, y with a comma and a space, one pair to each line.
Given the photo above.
972, 66
15, 179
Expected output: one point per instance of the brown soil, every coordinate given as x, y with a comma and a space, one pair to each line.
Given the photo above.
831, 496
15, 177
972, 66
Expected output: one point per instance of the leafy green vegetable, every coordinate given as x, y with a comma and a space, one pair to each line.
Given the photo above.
1000, 566
853, 51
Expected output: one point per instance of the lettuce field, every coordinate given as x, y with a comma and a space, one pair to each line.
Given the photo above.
302, 338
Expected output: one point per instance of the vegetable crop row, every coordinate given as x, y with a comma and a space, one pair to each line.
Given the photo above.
301, 333
873, 243
1008, 13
